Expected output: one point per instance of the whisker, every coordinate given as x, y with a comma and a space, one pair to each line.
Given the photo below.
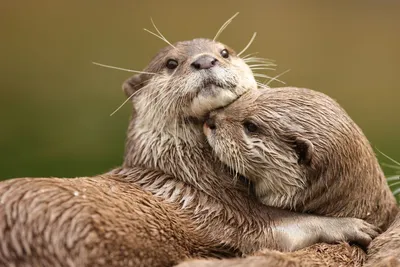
156, 35
225, 25
267, 77
277, 76
262, 65
393, 178
260, 68
386, 156
129, 98
249, 55
160, 34
118, 68
262, 85
248, 45
259, 59
390, 165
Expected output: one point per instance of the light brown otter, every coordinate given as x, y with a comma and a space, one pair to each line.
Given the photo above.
94, 221
195, 207
302, 152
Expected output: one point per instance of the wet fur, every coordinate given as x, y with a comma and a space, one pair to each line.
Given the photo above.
93, 221
341, 176
385, 249
189, 193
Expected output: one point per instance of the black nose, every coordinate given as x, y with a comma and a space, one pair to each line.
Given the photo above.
210, 122
204, 62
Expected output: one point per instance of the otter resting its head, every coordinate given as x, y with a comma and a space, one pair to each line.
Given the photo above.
301, 151
188, 80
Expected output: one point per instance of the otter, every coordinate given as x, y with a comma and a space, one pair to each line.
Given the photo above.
302, 152
180, 86
385, 249
173, 199
94, 221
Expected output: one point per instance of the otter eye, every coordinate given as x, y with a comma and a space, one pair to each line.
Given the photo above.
225, 53
250, 127
172, 64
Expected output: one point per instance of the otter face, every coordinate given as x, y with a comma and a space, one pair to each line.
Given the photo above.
190, 79
257, 137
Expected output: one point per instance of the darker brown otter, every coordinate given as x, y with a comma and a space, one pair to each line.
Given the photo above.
174, 199
304, 153
385, 249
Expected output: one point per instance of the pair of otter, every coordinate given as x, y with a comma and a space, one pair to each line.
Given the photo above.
174, 196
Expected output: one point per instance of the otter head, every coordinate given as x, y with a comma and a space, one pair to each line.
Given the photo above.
187, 80
272, 136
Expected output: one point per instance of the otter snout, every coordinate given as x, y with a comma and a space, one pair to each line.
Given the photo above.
204, 62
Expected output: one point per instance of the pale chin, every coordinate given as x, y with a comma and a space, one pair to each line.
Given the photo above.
204, 103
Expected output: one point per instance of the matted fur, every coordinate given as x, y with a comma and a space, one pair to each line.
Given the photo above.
305, 154
339, 255
192, 206
385, 249
170, 138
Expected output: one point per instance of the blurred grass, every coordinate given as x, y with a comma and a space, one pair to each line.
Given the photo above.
55, 105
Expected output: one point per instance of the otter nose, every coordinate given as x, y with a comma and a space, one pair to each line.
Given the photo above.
204, 62
210, 122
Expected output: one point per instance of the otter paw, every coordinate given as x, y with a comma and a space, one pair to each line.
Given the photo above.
355, 231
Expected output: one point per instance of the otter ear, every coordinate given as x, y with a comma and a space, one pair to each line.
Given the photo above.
304, 149
134, 83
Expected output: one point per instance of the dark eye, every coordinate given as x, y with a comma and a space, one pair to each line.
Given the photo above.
250, 127
172, 64
225, 53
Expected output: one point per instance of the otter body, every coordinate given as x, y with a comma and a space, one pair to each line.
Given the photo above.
170, 184
385, 249
93, 221
302, 152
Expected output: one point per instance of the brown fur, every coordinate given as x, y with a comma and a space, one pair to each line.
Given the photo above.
92, 221
192, 195
385, 249
165, 134
341, 176
306, 155
339, 255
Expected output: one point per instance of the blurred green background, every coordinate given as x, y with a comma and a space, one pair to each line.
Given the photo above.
55, 105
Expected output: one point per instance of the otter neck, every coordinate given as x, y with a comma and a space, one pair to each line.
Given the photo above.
178, 149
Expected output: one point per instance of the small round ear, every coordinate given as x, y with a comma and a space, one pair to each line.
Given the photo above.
304, 149
134, 83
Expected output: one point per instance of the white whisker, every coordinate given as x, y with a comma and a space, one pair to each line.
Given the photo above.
224, 26
386, 156
267, 77
258, 60
249, 55
118, 68
248, 45
156, 35
262, 65
277, 76
123, 103
160, 35
259, 68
